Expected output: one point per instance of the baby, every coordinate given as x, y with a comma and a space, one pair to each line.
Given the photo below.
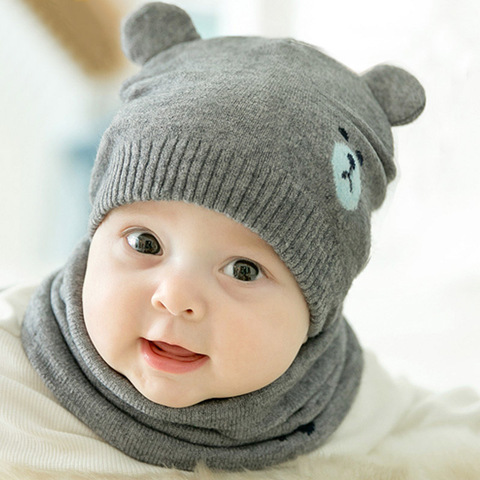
197, 331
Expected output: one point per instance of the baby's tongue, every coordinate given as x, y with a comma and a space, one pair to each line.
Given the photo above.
174, 349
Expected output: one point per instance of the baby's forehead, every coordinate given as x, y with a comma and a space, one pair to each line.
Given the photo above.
168, 215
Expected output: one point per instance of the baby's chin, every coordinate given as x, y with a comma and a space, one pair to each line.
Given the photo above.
167, 394
174, 401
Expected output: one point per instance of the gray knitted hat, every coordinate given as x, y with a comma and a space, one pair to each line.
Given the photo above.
271, 132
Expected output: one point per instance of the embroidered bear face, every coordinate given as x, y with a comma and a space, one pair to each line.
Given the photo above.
346, 165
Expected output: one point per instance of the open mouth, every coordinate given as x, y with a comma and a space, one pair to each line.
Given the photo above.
175, 352
171, 358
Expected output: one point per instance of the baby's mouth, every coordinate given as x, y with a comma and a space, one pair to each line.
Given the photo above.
169, 358
175, 352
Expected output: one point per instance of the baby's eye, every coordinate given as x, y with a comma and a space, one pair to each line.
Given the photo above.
144, 242
244, 270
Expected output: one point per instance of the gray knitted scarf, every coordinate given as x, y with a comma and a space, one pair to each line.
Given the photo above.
292, 416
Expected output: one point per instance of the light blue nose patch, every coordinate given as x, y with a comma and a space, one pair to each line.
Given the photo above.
346, 173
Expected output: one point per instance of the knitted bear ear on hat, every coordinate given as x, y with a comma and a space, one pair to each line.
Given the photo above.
154, 28
399, 93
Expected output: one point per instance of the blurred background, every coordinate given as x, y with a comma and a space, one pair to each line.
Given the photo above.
417, 304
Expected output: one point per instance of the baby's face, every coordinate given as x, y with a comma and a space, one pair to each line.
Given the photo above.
189, 304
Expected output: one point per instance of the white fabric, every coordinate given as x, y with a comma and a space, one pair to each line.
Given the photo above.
393, 431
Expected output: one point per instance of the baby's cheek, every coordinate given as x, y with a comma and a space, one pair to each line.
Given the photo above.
96, 317
92, 323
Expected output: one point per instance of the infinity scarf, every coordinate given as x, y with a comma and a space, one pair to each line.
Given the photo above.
293, 415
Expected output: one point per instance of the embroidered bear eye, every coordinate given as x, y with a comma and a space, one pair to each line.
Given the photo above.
360, 157
243, 270
144, 242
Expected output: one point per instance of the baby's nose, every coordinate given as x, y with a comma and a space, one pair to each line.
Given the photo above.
181, 295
